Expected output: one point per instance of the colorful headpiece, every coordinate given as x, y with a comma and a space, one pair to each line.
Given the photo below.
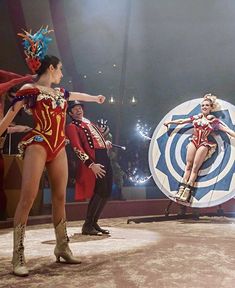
35, 47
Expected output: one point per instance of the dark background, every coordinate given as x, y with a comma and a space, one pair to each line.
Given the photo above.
163, 52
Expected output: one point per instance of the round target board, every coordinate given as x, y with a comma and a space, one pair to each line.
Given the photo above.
215, 183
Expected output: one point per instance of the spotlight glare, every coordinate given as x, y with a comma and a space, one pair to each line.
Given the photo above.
111, 100
143, 130
137, 179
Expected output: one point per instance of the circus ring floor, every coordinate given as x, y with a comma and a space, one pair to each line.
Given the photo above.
180, 253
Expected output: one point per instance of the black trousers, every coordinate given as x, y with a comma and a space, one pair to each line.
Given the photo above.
102, 190
103, 186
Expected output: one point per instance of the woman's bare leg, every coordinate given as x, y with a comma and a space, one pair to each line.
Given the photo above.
58, 176
34, 163
191, 152
197, 163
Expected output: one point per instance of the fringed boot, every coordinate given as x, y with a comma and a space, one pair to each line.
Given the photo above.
18, 259
62, 247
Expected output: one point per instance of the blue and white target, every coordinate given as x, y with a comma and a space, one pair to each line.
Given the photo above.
167, 156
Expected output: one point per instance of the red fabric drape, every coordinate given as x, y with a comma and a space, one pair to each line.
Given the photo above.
10, 79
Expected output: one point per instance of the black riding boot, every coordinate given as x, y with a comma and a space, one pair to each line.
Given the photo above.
87, 228
100, 207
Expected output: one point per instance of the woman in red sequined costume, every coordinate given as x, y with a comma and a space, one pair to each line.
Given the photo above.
43, 147
200, 148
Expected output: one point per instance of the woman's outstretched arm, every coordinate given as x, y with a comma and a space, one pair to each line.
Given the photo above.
178, 121
86, 97
227, 130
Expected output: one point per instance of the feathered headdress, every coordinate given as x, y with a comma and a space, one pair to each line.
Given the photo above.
35, 47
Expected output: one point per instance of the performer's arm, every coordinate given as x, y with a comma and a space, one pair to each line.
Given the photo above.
86, 97
227, 130
18, 103
178, 121
77, 146
18, 129
10, 116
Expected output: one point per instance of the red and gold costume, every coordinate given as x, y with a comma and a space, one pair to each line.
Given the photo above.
86, 140
203, 126
48, 109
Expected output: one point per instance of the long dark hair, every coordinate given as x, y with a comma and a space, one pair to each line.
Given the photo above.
46, 62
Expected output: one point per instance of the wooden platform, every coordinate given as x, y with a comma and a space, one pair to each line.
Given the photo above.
131, 208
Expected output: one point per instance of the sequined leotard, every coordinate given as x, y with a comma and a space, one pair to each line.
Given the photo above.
49, 113
203, 126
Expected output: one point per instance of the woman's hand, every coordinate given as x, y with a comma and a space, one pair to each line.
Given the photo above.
27, 129
166, 123
100, 99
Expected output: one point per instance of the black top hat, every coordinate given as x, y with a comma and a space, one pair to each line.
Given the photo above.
72, 104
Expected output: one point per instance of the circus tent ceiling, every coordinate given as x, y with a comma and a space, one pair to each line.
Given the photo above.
172, 50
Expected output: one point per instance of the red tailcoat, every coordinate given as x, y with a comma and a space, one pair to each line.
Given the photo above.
84, 139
